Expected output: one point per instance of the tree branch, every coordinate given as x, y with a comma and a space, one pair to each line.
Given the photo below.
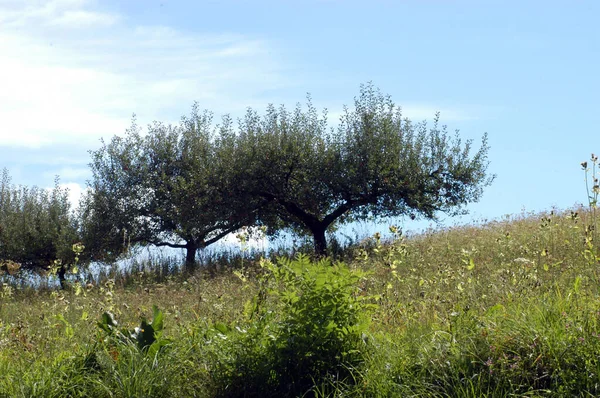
221, 234
341, 209
168, 244
308, 219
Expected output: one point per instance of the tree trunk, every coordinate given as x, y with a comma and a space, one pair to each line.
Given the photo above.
190, 256
62, 277
320, 241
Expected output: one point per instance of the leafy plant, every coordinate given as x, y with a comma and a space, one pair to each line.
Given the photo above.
148, 337
324, 316
309, 324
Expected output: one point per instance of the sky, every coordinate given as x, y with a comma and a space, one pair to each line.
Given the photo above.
526, 72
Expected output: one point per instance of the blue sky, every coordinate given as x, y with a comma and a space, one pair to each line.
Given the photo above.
525, 72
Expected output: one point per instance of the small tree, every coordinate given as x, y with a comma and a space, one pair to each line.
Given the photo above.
163, 189
37, 228
375, 164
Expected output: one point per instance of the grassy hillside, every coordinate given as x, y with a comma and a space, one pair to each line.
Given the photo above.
508, 308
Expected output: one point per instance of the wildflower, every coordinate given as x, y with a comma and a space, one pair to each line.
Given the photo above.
584, 165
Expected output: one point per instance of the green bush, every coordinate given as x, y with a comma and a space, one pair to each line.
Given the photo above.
307, 327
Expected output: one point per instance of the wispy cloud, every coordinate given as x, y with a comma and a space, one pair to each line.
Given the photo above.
81, 19
71, 73
69, 14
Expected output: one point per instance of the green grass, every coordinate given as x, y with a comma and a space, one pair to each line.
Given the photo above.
506, 308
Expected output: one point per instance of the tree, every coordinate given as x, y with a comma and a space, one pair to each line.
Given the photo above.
163, 189
375, 164
38, 230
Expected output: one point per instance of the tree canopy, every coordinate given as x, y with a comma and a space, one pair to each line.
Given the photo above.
374, 164
187, 186
37, 227
164, 188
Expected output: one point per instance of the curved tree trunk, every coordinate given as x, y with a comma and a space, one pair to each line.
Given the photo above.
191, 248
320, 241
317, 227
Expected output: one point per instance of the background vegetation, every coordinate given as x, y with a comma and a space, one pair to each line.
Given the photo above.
37, 229
501, 309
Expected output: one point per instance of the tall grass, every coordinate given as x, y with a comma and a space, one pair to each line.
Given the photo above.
509, 307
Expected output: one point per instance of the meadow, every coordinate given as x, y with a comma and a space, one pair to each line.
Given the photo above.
509, 307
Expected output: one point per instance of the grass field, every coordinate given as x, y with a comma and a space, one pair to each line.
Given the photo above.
507, 308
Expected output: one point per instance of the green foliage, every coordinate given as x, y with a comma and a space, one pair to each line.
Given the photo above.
37, 228
376, 164
314, 331
532, 348
163, 188
324, 317
503, 308
148, 337
187, 186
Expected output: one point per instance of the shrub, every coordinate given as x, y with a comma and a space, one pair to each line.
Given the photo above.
308, 325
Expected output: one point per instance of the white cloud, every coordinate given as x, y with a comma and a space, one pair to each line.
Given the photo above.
67, 14
68, 79
71, 74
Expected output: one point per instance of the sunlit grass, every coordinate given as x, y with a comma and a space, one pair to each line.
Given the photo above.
508, 307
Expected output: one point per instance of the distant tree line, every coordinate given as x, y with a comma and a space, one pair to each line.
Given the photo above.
188, 185
37, 228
